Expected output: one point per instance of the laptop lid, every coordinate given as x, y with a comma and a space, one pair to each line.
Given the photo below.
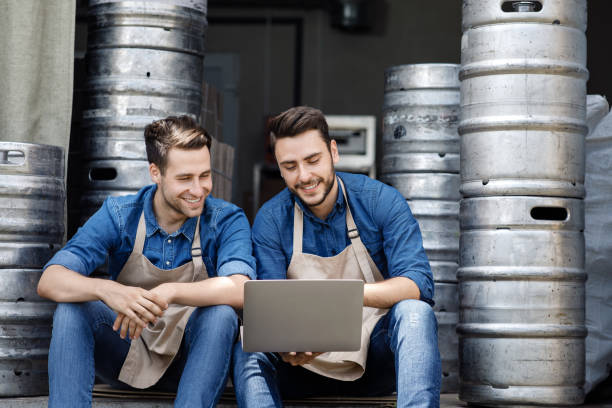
302, 315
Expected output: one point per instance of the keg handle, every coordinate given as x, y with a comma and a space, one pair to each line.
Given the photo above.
102, 174
11, 158
521, 6
541, 213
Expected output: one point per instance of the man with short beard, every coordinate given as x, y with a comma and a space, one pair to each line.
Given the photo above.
328, 225
177, 259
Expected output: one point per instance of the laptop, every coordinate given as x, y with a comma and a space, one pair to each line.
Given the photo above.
302, 315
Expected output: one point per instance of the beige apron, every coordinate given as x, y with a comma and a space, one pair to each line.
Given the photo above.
352, 263
151, 354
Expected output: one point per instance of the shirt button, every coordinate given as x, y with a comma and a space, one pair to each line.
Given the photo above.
169, 241
168, 263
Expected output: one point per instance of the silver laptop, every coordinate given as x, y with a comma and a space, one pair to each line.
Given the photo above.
302, 315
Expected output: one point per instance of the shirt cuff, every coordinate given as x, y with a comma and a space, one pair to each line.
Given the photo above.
68, 260
236, 268
423, 283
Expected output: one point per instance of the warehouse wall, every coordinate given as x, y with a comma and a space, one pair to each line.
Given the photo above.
342, 72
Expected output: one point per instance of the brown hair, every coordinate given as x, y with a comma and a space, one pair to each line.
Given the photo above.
182, 132
298, 120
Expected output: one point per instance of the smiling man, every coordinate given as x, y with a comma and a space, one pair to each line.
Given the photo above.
177, 260
328, 225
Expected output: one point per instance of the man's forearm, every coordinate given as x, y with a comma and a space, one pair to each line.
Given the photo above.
223, 290
387, 293
61, 284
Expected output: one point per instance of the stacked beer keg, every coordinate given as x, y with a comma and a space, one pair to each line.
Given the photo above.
521, 276
144, 62
31, 230
421, 159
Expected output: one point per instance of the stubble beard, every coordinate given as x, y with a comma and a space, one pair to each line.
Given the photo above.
329, 184
175, 205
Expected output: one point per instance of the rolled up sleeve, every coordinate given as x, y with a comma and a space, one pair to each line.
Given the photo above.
403, 243
235, 251
271, 261
90, 246
68, 260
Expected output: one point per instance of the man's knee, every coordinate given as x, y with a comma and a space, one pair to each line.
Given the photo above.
246, 365
73, 315
414, 313
68, 314
219, 317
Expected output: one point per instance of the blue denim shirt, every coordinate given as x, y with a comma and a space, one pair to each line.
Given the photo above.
111, 231
385, 223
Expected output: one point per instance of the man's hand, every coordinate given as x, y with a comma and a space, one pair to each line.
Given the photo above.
296, 359
127, 326
164, 292
137, 304
141, 306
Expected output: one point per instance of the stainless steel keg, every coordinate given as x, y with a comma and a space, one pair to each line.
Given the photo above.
439, 224
434, 201
421, 160
145, 59
420, 116
25, 334
144, 62
31, 230
523, 98
446, 310
425, 186
521, 300
32, 198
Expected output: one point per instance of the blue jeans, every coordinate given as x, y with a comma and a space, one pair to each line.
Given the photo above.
403, 351
84, 345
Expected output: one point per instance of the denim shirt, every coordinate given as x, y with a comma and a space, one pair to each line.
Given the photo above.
385, 223
111, 231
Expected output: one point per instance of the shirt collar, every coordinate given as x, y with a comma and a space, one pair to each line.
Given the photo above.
187, 229
338, 206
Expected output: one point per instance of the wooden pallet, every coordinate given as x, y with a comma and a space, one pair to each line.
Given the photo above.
105, 391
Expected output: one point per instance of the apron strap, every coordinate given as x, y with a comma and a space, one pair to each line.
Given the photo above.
359, 248
196, 248
141, 233
298, 229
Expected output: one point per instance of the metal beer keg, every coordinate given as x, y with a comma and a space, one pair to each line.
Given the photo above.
434, 201
420, 153
421, 160
144, 62
145, 59
420, 115
446, 310
521, 301
523, 98
31, 229
439, 224
425, 186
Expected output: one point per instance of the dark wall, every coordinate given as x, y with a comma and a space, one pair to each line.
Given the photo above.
340, 72
598, 47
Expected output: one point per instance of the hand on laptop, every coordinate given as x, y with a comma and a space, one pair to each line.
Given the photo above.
295, 358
